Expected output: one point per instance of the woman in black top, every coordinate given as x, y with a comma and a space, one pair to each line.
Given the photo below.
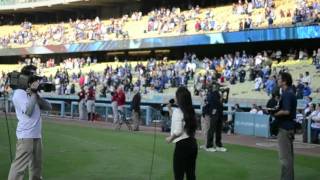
183, 127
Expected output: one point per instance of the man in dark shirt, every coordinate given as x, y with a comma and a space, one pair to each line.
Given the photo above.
214, 111
242, 75
285, 120
272, 104
135, 107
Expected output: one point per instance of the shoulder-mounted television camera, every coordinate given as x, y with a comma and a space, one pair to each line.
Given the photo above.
21, 80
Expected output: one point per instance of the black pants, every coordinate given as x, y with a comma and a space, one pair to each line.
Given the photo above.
184, 159
315, 135
215, 128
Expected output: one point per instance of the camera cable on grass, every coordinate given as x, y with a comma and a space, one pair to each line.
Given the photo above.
155, 120
7, 125
153, 147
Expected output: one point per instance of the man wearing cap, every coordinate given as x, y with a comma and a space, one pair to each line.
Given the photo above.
135, 107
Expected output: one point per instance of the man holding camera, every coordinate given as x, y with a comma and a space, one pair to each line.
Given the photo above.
28, 104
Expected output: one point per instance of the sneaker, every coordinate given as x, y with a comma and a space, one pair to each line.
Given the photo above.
202, 147
221, 149
211, 149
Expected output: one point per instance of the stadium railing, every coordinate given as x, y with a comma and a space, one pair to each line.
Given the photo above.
252, 124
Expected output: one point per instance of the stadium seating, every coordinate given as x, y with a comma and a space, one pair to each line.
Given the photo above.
136, 29
238, 92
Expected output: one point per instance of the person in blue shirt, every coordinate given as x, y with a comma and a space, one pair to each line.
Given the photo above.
284, 120
306, 90
270, 85
300, 88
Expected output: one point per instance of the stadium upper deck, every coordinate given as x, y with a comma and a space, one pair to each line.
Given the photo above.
164, 22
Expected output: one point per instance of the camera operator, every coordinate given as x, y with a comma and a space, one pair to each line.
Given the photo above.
213, 111
27, 105
284, 119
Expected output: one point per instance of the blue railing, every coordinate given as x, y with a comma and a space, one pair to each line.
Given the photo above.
254, 35
244, 123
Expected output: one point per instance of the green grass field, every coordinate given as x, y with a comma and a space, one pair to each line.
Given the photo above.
74, 152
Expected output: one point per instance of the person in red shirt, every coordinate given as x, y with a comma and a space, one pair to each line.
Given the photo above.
81, 81
121, 99
91, 97
114, 96
197, 26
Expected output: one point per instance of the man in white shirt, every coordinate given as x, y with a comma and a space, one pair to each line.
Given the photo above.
257, 83
27, 105
315, 125
306, 78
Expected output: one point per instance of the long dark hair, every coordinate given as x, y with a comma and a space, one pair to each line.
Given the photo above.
184, 102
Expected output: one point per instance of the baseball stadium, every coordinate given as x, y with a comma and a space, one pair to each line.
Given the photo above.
160, 89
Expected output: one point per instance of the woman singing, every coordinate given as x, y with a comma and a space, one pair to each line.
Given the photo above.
183, 127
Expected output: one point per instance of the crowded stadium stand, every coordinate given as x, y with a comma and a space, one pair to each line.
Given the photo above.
163, 22
101, 64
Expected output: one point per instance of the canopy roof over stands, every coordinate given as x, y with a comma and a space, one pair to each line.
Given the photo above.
52, 5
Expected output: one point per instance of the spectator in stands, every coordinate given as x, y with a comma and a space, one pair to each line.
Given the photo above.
279, 56
270, 85
90, 98
315, 126
314, 57
260, 110
299, 89
270, 22
242, 75
197, 26
254, 109
258, 83
160, 20
307, 78
306, 90
73, 89
57, 85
